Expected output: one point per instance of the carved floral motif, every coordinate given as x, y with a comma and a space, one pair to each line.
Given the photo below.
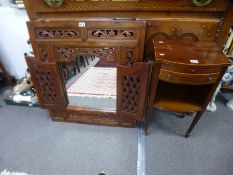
111, 33
57, 33
130, 56
71, 53
43, 55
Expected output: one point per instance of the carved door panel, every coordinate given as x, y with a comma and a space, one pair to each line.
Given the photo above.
131, 92
48, 84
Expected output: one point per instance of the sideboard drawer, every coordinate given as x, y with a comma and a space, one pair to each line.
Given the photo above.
191, 69
202, 29
184, 78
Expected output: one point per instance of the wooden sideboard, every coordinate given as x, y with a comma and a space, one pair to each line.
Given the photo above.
120, 32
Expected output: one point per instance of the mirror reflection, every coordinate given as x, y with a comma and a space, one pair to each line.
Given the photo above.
90, 82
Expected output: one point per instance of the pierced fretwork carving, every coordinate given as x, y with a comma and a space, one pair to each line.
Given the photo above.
111, 34
57, 34
46, 83
130, 56
43, 55
108, 54
131, 92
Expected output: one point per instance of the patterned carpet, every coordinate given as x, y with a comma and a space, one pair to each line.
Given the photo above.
95, 82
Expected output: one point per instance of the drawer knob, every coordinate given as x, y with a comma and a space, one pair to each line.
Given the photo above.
204, 26
169, 76
210, 79
209, 34
54, 4
192, 70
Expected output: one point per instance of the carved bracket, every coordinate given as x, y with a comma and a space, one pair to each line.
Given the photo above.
43, 55
47, 87
130, 56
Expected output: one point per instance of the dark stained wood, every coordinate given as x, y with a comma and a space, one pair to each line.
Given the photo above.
227, 22
122, 32
182, 52
131, 91
48, 84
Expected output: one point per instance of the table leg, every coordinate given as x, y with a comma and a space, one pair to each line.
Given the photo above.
194, 122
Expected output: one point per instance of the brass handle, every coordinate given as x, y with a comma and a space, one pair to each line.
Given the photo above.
54, 3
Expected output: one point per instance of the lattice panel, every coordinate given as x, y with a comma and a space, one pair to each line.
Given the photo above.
131, 92
111, 34
57, 33
46, 83
69, 53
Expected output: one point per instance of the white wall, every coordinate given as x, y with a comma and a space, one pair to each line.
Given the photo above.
13, 40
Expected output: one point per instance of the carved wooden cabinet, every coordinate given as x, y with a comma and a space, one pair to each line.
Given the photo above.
119, 32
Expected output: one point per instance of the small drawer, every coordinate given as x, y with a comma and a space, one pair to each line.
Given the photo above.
189, 79
191, 69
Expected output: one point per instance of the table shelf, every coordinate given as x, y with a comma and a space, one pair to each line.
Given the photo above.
180, 98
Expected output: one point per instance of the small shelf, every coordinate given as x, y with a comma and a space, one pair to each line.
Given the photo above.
180, 98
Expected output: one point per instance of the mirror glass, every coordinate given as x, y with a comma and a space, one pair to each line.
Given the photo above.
90, 82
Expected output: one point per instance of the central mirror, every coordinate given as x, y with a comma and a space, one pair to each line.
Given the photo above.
90, 82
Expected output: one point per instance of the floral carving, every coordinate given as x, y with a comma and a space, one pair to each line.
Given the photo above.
57, 34
111, 33
43, 55
130, 56
70, 53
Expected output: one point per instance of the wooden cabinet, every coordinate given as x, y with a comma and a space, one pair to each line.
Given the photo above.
197, 68
120, 33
